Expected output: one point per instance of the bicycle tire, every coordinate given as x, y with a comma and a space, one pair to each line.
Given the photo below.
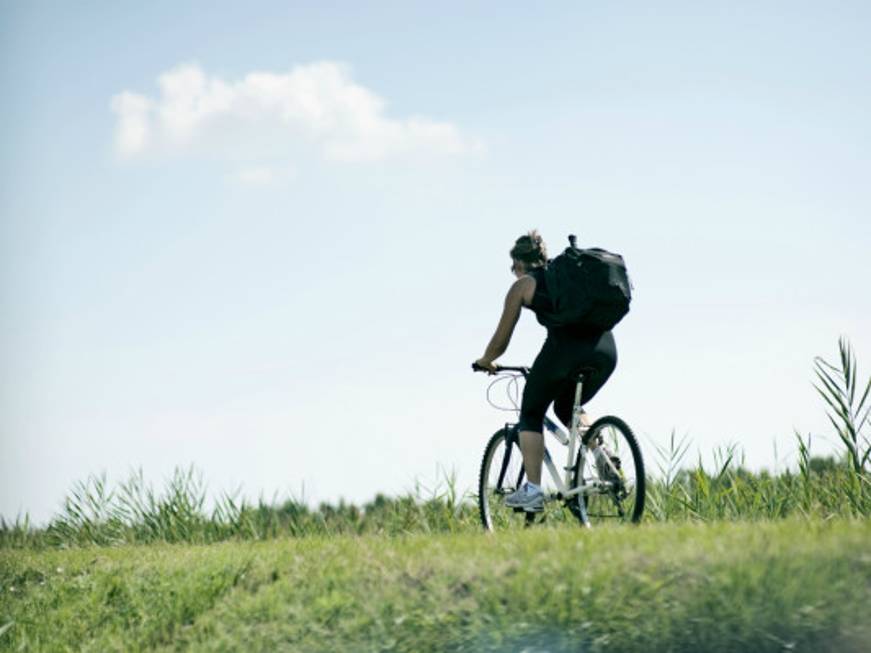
492, 489
617, 437
489, 496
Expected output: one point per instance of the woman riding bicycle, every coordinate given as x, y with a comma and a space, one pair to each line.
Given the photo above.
553, 376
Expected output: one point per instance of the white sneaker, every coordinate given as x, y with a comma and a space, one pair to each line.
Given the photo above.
528, 499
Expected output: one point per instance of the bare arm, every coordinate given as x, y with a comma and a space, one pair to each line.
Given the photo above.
521, 289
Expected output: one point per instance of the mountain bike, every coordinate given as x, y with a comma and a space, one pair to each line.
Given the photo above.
602, 480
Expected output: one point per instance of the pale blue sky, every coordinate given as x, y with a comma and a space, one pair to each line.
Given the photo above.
295, 302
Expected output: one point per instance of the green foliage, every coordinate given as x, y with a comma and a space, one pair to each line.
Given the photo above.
133, 513
838, 387
16, 534
820, 489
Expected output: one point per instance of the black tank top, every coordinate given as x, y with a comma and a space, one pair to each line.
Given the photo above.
541, 304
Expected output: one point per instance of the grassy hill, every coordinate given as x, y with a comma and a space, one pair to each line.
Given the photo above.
793, 585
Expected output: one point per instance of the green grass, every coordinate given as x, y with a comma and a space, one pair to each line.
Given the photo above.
791, 585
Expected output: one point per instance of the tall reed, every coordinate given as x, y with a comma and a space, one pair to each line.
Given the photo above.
821, 487
850, 416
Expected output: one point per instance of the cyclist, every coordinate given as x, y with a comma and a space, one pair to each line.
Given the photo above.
553, 376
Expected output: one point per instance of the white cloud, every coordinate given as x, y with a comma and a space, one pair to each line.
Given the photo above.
132, 132
315, 104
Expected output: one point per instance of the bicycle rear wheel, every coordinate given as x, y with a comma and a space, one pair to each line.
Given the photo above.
613, 493
502, 473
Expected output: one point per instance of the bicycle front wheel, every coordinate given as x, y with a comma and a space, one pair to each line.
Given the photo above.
501, 474
613, 490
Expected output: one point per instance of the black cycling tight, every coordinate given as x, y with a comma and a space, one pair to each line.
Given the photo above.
553, 377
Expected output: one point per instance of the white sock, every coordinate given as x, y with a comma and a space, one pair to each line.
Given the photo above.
533, 487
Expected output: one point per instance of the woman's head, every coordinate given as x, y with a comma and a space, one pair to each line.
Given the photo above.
528, 252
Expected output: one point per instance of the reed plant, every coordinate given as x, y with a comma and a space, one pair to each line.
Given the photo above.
133, 513
849, 406
98, 513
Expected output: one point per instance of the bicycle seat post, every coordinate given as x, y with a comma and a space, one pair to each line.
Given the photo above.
576, 409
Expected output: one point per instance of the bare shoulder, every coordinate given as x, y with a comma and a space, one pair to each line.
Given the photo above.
523, 289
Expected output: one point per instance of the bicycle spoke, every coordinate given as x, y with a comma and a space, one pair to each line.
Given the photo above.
619, 477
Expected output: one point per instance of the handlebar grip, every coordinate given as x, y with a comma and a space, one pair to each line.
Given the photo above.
479, 368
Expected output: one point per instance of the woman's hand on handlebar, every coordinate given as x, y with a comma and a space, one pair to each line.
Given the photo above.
483, 365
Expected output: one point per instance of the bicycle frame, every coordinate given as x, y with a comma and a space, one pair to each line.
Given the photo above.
573, 440
594, 474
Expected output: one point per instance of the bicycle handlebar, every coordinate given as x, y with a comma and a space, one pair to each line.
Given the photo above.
500, 368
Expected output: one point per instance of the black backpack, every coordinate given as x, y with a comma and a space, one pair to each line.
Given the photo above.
588, 288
